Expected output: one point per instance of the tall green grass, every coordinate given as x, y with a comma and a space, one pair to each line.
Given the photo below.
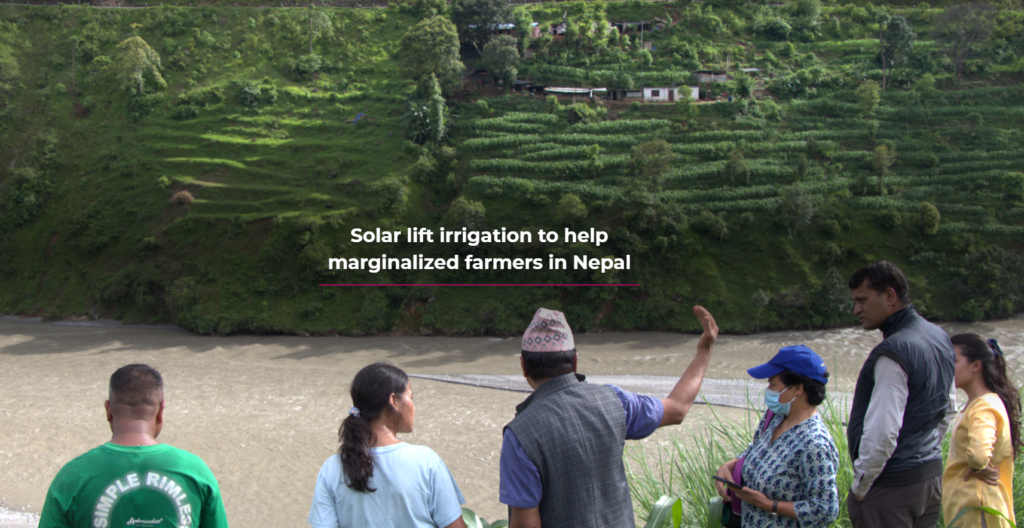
684, 468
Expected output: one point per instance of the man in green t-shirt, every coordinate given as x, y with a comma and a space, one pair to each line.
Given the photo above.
133, 480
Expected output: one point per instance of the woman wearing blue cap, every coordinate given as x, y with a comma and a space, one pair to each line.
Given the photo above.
788, 473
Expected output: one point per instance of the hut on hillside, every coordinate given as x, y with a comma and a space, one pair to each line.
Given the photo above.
710, 76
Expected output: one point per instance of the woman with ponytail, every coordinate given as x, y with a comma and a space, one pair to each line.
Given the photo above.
376, 480
986, 436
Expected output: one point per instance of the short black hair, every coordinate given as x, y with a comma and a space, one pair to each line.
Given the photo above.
881, 276
815, 389
136, 385
544, 365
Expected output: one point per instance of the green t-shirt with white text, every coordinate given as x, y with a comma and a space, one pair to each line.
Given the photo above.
115, 486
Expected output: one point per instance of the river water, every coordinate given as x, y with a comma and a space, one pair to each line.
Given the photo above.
263, 412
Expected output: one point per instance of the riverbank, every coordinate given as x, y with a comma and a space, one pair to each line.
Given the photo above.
263, 411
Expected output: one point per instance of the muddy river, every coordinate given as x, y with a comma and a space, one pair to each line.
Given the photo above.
263, 412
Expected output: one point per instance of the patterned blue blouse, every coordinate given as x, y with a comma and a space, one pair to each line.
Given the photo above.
799, 467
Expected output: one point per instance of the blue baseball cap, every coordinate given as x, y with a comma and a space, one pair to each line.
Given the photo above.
797, 358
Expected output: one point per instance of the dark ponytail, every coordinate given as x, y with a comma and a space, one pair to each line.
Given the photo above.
975, 348
371, 394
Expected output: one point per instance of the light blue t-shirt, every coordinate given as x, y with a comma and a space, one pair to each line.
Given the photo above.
414, 490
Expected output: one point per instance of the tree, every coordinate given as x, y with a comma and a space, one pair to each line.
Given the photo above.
796, 208
808, 13
426, 119
835, 296
801, 167
961, 29
500, 58
319, 25
868, 97
431, 47
428, 8
476, 20
924, 93
134, 61
1013, 186
571, 209
466, 213
651, 159
928, 218
524, 28
650, 162
75, 42
436, 111
759, 300
884, 158
744, 85
736, 167
897, 42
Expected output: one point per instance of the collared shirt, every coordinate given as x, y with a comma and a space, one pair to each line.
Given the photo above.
520, 483
883, 421
414, 487
799, 467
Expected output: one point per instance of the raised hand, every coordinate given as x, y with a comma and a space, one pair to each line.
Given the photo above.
707, 339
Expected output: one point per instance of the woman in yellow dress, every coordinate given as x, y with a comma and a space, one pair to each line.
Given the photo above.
986, 436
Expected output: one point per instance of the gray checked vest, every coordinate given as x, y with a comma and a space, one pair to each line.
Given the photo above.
574, 433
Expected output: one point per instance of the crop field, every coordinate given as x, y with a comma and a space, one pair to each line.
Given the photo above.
213, 196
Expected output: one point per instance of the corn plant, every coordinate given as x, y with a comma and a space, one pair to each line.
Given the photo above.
558, 153
987, 229
532, 117
622, 126
613, 161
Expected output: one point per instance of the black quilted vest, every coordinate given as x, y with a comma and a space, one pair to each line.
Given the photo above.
926, 355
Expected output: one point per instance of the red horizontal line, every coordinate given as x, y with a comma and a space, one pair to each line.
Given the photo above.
479, 285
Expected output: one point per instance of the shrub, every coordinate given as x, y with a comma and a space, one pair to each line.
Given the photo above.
1013, 186
310, 309
147, 245
374, 312
571, 209
889, 218
182, 197
831, 228
928, 218
249, 95
304, 67
184, 112
466, 213
969, 311
25, 196
710, 224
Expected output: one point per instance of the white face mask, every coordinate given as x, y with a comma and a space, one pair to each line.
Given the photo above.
771, 399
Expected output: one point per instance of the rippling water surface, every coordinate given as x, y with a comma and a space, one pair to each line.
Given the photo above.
264, 411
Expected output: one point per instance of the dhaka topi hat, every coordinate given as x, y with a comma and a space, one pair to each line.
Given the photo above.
548, 332
797, 358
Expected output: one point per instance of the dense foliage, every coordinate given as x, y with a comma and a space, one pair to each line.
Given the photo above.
200, 165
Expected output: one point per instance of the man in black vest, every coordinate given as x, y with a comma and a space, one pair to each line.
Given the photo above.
561, 457
902, 405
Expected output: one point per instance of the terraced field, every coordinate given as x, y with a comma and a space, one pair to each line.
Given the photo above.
215, 201
535, 157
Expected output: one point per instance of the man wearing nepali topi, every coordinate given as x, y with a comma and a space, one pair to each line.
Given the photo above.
561, 457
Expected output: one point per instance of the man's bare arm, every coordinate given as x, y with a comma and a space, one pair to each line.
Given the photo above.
681, 398
524, 517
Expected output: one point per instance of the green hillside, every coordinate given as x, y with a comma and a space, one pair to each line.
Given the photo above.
214, 196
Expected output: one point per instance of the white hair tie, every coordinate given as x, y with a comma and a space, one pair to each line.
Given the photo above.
354, 412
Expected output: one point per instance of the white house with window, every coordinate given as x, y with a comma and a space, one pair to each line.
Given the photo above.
670, 94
